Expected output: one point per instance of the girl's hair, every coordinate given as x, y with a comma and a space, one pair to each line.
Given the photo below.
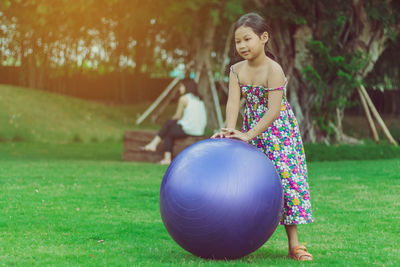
258, 25
191, 87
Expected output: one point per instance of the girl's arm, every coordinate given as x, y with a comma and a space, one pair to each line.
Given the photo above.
179, 110
233, 104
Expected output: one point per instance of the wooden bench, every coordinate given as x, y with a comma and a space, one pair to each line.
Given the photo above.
135, 139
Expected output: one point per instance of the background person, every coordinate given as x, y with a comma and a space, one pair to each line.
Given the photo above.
190, 119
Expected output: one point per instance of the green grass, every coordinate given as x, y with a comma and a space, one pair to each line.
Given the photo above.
67, 199
39, 116
66, 205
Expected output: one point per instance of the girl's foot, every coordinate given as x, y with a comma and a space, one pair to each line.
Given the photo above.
299, 253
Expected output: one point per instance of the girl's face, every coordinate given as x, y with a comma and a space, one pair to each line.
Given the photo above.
182, 89
248, 44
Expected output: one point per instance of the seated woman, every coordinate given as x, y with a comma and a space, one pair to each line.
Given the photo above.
190, 119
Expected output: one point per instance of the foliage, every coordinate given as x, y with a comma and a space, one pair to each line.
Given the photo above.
75, 36
386, 75
332, 78
155, 36
385, 12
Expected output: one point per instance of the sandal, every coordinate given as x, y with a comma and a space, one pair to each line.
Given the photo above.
300, 253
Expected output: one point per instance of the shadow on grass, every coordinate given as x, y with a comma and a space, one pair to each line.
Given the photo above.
267, 253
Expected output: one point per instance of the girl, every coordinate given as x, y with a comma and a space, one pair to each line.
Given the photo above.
190, 119
269, 123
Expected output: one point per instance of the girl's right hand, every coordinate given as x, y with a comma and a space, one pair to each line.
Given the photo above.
218, 135
224, 133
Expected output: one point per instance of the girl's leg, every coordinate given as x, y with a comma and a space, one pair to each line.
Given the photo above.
291, 231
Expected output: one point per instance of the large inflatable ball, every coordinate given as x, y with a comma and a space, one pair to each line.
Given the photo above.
221, 199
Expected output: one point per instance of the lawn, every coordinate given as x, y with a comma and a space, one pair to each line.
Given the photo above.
67, 199
79, 205
38, 116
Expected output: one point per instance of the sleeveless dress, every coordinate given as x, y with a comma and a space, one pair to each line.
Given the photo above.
283, 145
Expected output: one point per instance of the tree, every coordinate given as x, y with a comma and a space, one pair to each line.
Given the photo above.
327, 48
47, 34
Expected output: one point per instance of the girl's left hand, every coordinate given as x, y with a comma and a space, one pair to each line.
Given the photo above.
233, 133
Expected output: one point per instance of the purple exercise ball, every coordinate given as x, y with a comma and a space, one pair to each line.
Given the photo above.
221, 199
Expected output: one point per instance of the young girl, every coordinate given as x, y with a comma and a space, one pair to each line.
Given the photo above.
190, 119
269, 123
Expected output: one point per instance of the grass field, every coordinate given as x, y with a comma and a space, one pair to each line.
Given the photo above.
67, 199
62, 210
38, 116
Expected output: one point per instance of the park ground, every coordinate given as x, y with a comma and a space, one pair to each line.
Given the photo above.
67, 199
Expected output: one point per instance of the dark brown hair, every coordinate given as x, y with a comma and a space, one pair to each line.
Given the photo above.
258, 25
191, 87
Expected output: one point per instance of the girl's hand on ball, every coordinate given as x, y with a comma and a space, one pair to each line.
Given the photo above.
235, 134
218, 135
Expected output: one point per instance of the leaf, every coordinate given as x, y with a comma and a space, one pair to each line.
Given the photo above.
345, 75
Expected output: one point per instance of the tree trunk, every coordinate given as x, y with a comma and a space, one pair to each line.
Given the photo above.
203, 55
23, 72
301, 98
42, 67
292, 53
123, 87
140, 52
377, 116
31, 71
371, 123
225, 55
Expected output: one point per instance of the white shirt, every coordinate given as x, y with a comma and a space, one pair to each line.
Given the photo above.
194, 119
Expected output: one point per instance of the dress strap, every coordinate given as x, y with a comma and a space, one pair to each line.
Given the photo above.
237, 77
283, 87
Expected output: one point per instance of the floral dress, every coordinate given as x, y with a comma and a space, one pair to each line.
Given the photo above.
282, 144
